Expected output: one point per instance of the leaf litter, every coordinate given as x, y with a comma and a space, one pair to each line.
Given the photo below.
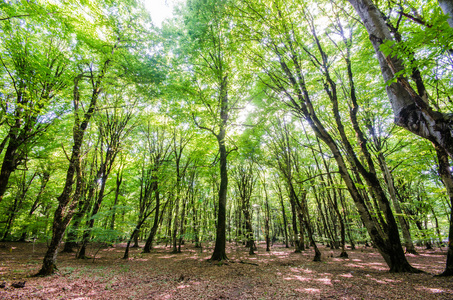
278, 274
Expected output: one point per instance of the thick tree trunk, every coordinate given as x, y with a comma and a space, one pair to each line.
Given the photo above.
10, 161
219, 253
63, 213
388, 244
447, 178
249, 230
410, 110
447, 8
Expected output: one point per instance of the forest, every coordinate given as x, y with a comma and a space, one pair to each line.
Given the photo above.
307, 125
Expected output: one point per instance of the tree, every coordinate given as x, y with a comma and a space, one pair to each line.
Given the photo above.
287, 75
411, 108
108, 55
114, 127
245, 181
35, 67
208, 29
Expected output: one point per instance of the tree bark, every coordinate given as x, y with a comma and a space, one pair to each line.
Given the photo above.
447, 178
285, 221
447, 8
149, 242
267, 218
410, 110
219, 253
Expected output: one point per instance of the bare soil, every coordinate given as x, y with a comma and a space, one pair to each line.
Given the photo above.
278, 274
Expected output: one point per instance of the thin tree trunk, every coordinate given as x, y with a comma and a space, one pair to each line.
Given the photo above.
267, 218
119, 180
44, 180
135, 232
285, 221
14, 209
181, 227
149, 242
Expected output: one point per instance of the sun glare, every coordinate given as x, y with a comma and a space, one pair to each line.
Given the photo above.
159, 10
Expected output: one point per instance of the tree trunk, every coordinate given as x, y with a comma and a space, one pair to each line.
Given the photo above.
303, 215
12, 156
71, 238
181, 227
44, 180
447, 178
267, 219
119, 180
63, 215
65, 210
149, 242
136, 232
14, 209
447, 8
219, 253
298, 247
176, 221
404, 225
285, 221
410, 110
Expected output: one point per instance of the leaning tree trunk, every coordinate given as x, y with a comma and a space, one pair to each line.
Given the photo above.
65, 210
149, 242
411, 111
37, 202
447, 8
136, 232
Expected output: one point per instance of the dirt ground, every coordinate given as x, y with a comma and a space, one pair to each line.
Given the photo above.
278, 274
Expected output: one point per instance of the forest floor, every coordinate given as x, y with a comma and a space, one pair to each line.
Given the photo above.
278, 274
